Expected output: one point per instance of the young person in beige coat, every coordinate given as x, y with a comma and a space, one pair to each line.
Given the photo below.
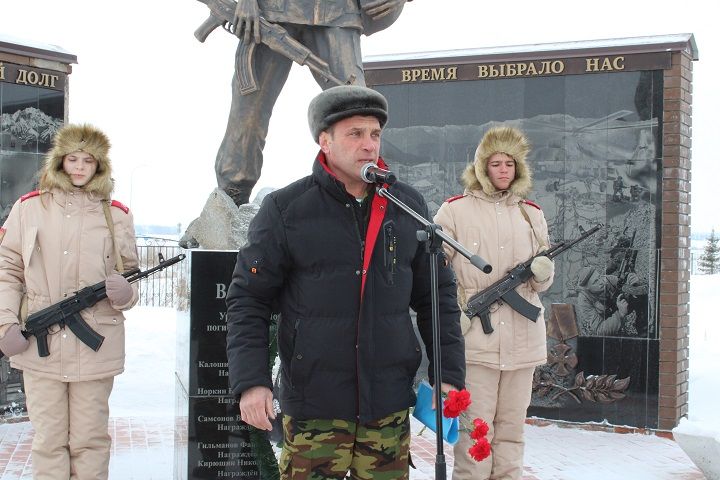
56, 241
493, 219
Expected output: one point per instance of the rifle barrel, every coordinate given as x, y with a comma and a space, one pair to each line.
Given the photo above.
138, 275
561, 247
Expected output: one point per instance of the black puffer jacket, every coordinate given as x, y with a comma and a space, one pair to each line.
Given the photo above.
344, 354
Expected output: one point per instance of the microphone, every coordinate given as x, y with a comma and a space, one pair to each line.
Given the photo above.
371, 173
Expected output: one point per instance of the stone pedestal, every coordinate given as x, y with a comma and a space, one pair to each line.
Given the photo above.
211, 440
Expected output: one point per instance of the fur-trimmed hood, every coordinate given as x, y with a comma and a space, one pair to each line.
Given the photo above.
78, 138
501, 139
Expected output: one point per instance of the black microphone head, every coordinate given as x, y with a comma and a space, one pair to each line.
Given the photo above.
365, 172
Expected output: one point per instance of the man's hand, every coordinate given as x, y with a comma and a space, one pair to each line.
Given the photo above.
256, 407
380, 8
446, 388
247, 21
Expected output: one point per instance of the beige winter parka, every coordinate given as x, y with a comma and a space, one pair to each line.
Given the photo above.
57, 241
491, 224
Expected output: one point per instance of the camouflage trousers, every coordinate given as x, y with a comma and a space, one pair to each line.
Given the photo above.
328, 449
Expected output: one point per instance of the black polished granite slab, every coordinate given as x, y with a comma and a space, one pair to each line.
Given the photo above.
212, 442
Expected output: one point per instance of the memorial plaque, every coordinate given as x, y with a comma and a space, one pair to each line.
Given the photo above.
212, 441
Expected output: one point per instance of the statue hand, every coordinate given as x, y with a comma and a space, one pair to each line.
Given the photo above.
380, 8
247, 21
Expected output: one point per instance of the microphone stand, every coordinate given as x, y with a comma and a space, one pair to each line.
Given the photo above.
433, 236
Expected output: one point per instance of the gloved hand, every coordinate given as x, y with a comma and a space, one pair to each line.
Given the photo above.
118, 289
542, 268
12, 341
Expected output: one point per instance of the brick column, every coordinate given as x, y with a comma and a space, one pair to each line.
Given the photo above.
674, 309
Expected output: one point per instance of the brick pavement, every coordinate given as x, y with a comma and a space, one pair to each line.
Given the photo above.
143, 450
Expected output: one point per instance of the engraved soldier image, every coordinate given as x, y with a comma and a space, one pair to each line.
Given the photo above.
322, 34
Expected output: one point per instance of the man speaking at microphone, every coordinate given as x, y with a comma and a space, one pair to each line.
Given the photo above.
345, 267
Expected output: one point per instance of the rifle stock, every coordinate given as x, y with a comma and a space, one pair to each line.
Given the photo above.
504, 289
67, 312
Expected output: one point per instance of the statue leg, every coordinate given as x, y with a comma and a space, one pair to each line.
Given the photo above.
340, 47
239, 159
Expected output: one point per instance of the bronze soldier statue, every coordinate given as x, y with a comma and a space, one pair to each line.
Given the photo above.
330, 29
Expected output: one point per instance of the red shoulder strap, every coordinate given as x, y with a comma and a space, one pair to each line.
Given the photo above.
30, 195
119, 205
456, 197
532, 204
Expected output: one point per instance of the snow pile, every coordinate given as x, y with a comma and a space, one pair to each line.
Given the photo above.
699, 434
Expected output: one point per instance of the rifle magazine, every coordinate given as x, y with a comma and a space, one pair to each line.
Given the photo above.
520, 305
245, 70
42, 345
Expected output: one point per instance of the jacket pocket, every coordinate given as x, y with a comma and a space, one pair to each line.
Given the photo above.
35, 303
478, 343
396, 344
322, 350
298, 368
389, 252
103, 314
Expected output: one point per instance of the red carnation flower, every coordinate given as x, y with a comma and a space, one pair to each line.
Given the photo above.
456, 403
480, 450
481, 429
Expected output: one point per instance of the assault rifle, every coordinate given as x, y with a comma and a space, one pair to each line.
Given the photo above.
67, 312
222, 14
504, 289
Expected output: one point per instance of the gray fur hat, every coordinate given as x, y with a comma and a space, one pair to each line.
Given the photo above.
337, 103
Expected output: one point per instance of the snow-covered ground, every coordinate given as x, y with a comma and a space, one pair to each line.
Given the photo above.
704, 351
147, 387
699, 434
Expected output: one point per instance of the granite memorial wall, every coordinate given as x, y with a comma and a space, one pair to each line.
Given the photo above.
595, 119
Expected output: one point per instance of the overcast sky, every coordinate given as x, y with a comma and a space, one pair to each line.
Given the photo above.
163, 97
